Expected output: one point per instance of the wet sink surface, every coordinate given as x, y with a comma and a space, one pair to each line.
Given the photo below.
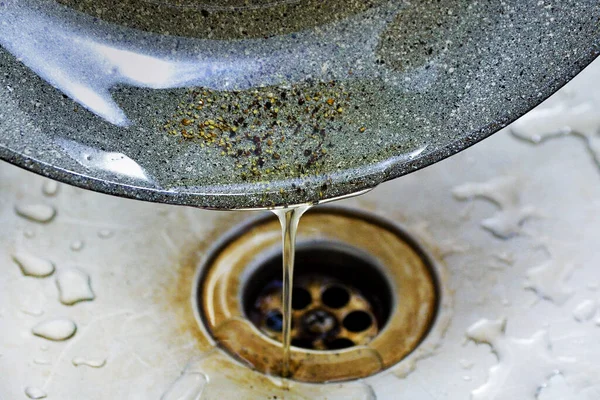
530, 266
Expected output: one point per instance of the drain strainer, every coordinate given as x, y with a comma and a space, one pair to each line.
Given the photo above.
364, 295
340, 298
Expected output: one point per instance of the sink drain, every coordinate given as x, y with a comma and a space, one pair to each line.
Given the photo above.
364, 295
340, 299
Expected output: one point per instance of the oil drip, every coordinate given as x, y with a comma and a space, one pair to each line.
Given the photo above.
289, 219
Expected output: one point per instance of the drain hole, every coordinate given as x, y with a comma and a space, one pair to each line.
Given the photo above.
303, 343
340, 343
274, 321
357, 321
330, 292
301, 298
335, 297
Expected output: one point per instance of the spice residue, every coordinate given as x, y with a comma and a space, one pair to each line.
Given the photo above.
252, 126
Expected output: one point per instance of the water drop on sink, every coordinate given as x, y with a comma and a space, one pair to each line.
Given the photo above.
502, 191
33, 312
32, 265
580, 119
76, 245
50, 188
465, 364
35, 393
585, 310
57, 329
42, 213
74, 286
89, 362
105, 233
548, 280
524, 365
41, 361
188, 386
592, 286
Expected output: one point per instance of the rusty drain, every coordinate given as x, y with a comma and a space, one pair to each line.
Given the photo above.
364, 295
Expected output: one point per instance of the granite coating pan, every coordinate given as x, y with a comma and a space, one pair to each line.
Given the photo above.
225, 105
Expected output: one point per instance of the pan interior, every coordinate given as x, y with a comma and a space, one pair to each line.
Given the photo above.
239, 104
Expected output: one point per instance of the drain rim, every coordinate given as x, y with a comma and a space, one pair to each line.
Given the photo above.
426, 342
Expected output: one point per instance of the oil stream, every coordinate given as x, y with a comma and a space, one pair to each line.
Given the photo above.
289, 219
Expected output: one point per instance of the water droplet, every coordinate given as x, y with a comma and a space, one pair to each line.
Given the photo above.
28, 233
466, 378
74, 286
505, 257
579, 119
105, 233
548, 280
42, 213
89, 362
189, 386
585, 310
50, 187
35, 393
405, 368
524, 365
32, 265
33, 313
41, 361
77, 245
55, 329
502, 191
465, 364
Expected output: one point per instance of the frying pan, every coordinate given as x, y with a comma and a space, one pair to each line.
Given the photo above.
255, 103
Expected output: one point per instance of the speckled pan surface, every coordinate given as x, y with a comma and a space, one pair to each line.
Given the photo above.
231, 104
